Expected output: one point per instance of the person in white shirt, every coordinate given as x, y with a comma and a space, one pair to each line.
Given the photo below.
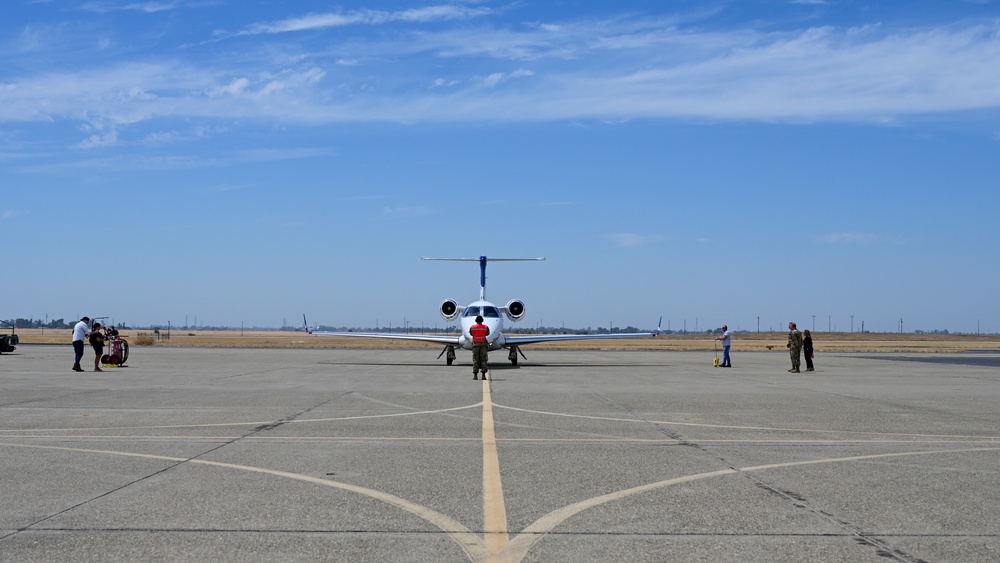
79, 335
726, 341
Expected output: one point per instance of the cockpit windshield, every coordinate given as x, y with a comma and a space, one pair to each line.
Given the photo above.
486, 312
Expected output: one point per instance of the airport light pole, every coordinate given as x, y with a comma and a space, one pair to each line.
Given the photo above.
758, 323
814, 323
852, 323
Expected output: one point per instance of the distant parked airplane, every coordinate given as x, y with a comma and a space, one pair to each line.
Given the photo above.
492, 317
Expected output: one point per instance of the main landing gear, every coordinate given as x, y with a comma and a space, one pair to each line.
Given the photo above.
450, 357
514, 351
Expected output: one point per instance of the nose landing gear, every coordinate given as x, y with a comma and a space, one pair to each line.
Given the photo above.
450, 358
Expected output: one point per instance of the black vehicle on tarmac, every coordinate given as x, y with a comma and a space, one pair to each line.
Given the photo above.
8, 342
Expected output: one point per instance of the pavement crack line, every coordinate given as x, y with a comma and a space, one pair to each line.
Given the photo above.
381, 531
174, 465
796, 500
473, 545
850, 530
55, 398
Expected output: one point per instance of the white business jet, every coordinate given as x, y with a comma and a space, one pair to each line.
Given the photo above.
492, 317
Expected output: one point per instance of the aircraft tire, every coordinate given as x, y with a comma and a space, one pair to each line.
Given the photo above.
450, 360
513, 361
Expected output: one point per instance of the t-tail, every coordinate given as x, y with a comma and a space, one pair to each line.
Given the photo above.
482, 267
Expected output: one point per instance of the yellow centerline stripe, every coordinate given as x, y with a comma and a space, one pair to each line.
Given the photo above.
495, 531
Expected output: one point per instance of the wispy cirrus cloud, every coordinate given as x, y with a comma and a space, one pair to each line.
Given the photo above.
618, 69
498, 77
104, 139
123, 163
426, 14
146, 7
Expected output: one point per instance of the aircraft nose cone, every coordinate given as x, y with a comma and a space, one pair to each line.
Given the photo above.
494, 331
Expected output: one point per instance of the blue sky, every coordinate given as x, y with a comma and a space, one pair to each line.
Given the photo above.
711, 162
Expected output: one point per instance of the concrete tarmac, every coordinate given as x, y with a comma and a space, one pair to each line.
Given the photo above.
367, 455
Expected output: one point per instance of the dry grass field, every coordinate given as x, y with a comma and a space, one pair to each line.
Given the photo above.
824, 341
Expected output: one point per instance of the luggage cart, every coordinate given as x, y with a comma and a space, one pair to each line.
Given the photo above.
118, 348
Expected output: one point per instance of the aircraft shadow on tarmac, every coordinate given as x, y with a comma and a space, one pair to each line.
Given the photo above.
494, 367
980, 361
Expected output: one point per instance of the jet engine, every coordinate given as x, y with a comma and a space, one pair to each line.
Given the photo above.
449, 310
514, 310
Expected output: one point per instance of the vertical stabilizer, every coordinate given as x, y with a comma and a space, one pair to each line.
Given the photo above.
482, 278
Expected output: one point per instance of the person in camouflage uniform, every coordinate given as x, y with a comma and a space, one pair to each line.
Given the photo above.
480, 348
794, 347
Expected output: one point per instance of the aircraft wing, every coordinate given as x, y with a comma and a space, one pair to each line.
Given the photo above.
446, 340
522, 340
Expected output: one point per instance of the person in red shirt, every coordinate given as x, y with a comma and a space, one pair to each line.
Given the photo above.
480, 348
